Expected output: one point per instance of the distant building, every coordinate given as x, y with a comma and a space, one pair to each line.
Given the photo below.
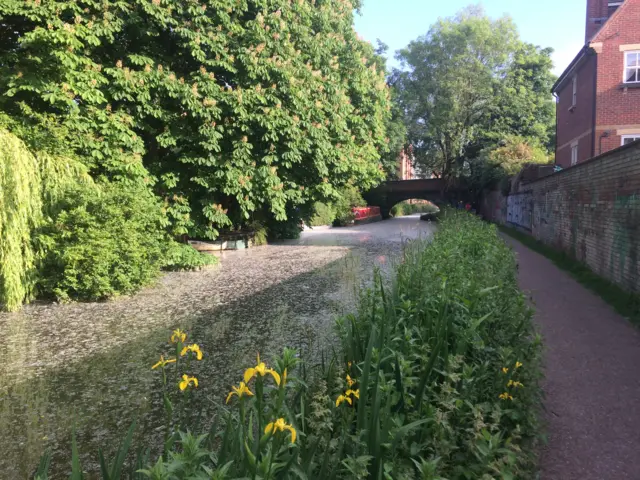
405, 165
598, 95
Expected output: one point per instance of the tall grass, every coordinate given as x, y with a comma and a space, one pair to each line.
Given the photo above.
436, 377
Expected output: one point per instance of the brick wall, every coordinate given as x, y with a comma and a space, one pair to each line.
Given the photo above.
596, 10
575, 123
591, 211
618, 108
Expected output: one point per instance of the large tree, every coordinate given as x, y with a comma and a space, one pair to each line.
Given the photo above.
223, 107
467, 83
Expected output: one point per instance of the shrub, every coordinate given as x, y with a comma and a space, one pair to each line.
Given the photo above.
101, 242
437, 378
30, 181
180, 256
323, 214
260, 234
349, 197
288, 229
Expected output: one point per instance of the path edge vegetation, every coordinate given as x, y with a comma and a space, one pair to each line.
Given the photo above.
624, 302
436, 376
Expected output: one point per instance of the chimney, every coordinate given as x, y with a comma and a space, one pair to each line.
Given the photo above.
598, 11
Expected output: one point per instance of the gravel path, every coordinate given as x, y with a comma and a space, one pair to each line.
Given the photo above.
592, 384
89, 363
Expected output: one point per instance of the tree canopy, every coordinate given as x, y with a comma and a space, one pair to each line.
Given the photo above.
468, 84
222, 107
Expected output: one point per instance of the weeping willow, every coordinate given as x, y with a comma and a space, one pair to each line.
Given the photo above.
20, 213
28, 182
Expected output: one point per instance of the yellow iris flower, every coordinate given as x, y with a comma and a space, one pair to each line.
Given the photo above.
186, 381
343, 398
163, 363
239, 391
505, 370
192, 348
518, 364
178, 336
354, 393
280, 425
260, 369
350, 381
505, 396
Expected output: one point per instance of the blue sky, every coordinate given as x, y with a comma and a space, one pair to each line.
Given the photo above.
548, 23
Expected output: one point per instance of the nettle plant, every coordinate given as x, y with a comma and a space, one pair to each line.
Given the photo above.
222, 106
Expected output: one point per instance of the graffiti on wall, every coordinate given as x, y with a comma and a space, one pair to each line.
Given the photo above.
519, 209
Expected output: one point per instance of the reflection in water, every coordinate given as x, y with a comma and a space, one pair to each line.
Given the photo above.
89, 364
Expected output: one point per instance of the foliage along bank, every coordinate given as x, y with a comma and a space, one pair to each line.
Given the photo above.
437, 377
219, 113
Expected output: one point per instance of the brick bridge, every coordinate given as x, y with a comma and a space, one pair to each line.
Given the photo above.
436, 190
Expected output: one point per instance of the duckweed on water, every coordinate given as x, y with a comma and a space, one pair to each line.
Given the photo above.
437, 377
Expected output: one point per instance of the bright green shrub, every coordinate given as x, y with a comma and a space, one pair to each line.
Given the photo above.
180, 256
101, 243
323, 214
20, 212
30, 180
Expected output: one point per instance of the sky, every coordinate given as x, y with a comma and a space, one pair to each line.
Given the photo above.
547, 23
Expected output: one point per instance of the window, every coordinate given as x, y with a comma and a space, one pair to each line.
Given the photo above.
574, 154
632, 67
630, 138
574, 97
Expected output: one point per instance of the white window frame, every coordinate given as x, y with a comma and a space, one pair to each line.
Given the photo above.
625, 68
574, 94
574, 154
633, 136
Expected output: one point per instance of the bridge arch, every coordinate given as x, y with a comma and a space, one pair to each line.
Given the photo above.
435, 190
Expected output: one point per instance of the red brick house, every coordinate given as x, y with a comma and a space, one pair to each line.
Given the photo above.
598, 95
405, 167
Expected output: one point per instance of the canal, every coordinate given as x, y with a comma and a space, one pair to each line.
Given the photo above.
89, 364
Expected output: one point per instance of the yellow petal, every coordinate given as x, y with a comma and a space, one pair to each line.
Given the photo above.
156, 365
171, 360
183, 352
199, 354
249, 373
293, 433
275, 376
231, 394
268, 428
183, 385
195, 381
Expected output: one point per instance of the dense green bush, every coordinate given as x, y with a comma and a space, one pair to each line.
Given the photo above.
288, 229
101, 242
180, 256
437, 378
349, 197
323, 214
